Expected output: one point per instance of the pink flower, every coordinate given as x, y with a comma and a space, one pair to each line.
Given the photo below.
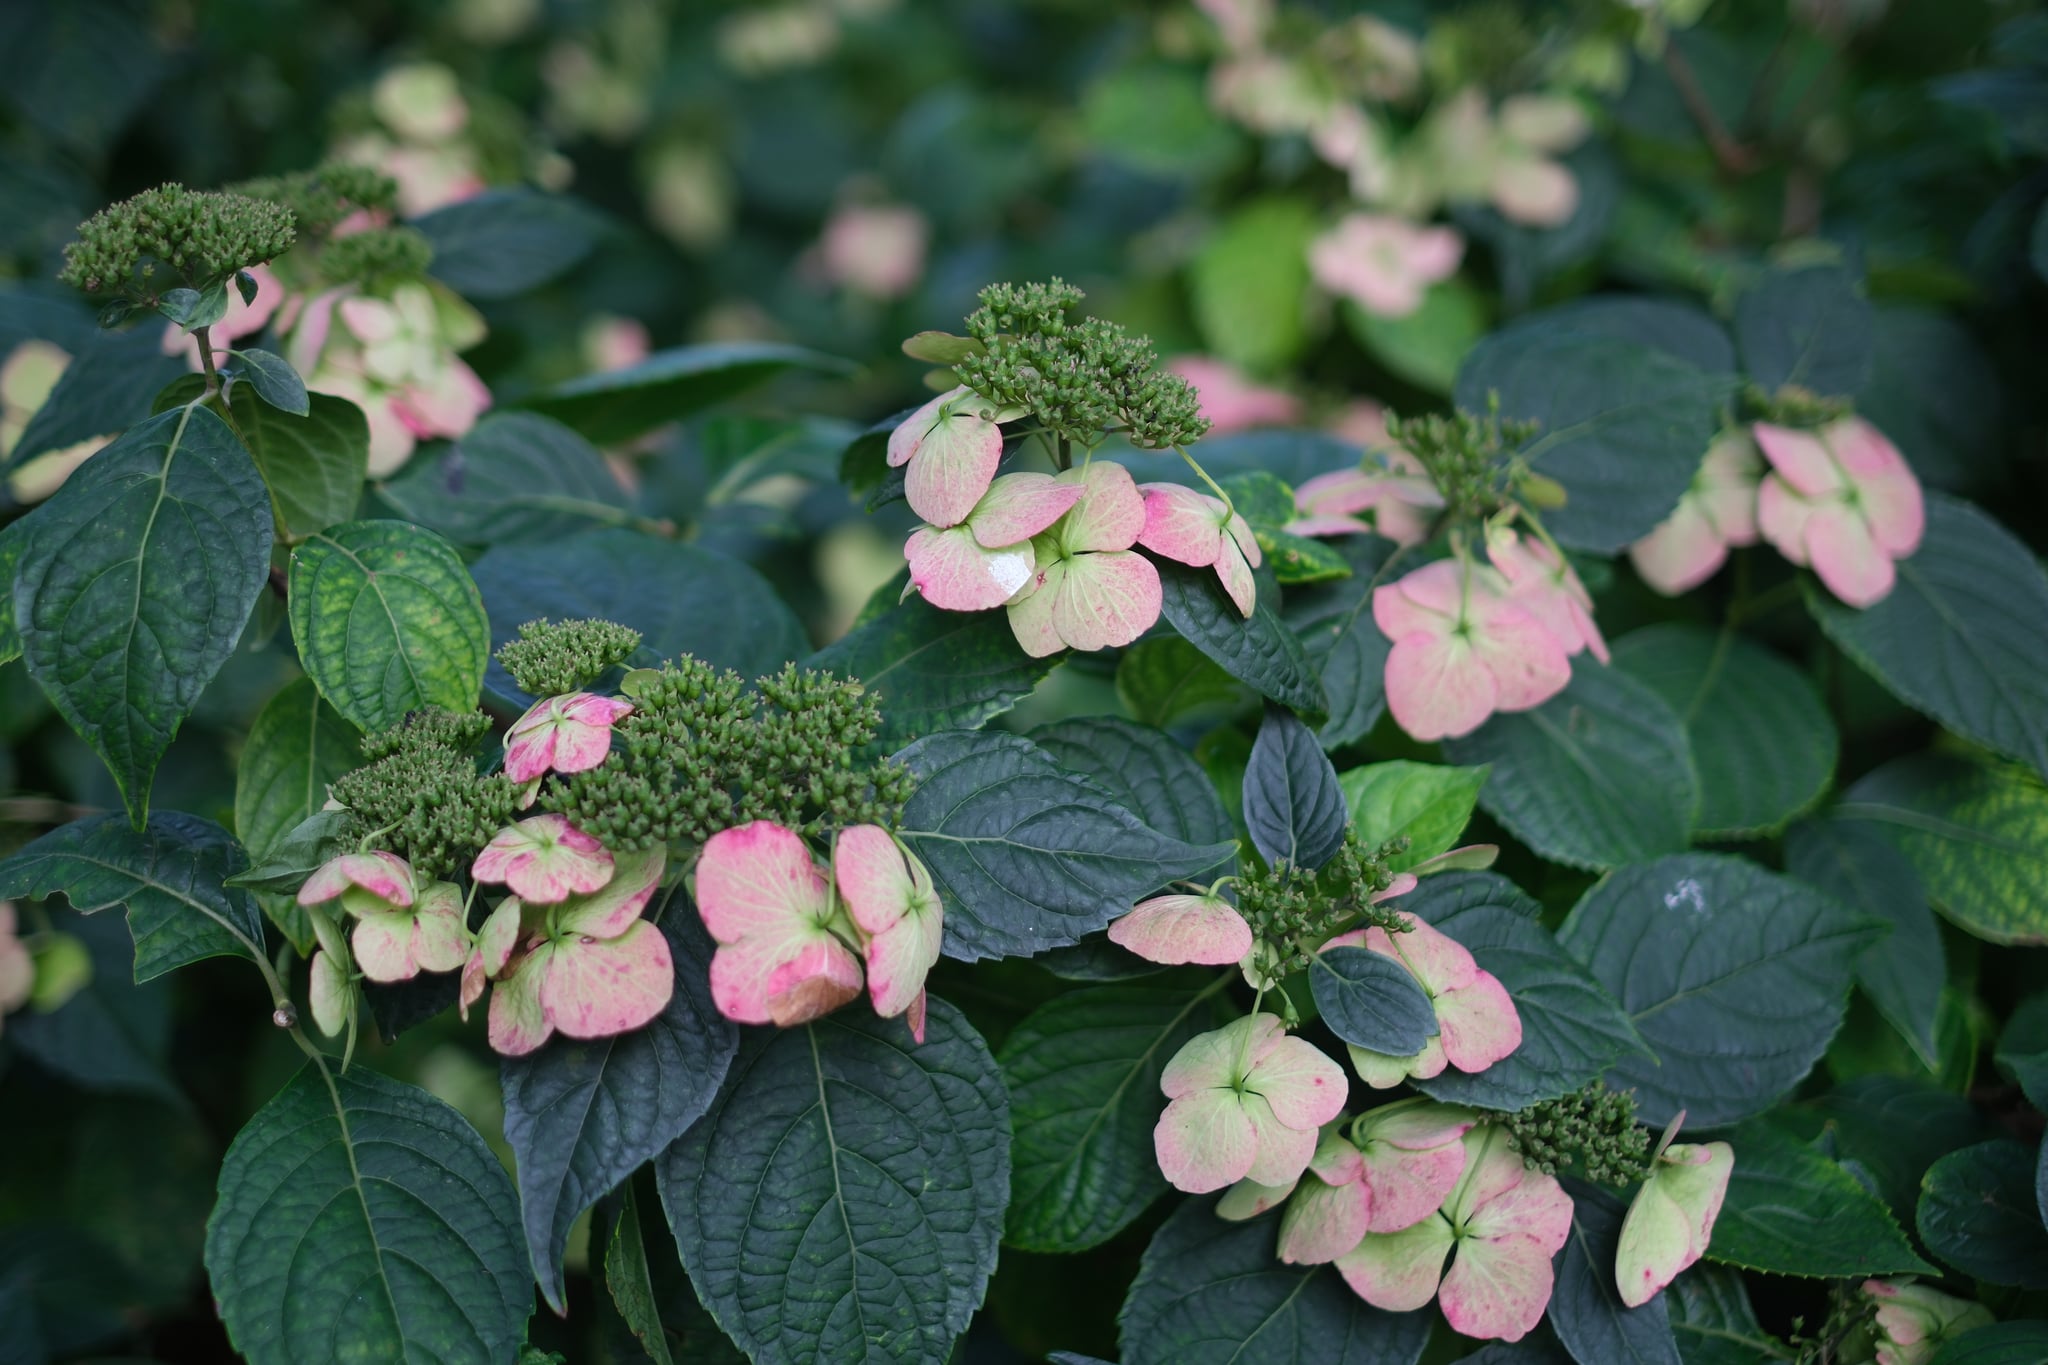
1196, 529
1717, 511
396, 359
1463, 649
544, 859
1545, 585
1843, 500
1091, 589
1528, 186
566, 734
1327, 1214
1230, 400
1246, 1102
890, 895
380, 880
1501, 1226
1390, 485
1913, 1320
1243, 22
952, 445
1671, 1219
17, 967
981, 563
1406, 1163
612, 343
1476, 1019
1204, 929
764, 901
1382, 263
875, 249
588, 968
401, 928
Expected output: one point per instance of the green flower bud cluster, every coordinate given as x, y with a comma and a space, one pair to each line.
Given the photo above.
1593, 1128
171, 238
551, 658
1080, 376
700, 753
1793, 406
423, 792
320, 199
377, 256
1467, 456
1293, 911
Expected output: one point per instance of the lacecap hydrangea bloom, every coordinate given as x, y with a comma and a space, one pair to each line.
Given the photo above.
1842, 500
1246, 1101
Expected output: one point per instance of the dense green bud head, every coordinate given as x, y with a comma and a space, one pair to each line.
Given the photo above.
1467, 456
551, 658
1593, 1129
172, 238
423, 791
1292, 911
377, 256
323, 197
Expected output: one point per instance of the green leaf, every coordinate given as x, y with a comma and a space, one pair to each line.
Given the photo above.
581, 1116
1426, 346
1977, 832
1334, 621
109, 384
1599, 775
1083, 1074
1371, 1001
168, 876
506, 241
1150, 776
516, 478
864, 463
843, 1199
1213, 1292
1293, 807
669, 385
1934, 391
1586, 1310
1429, 804
1156, 119
1894, 1129
2002, 1343
1809, 328
1166, 681
298, 852
936, 670
1902, 972
135, 582
314, 465
1249, 281
297, 746
1628, 398
1978, 1213
1572, 1028
13, 540
387, 621
628, 1278
1713, 1322
271, 378
1762, 741
1963, 636
363, 1219
1261, 651
1735, 977
192, 309
1028, 855
2023, 1048
683, 599
113, 1036
1791, 1211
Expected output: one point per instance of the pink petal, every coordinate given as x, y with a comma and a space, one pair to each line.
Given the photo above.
1182, 524
953, 468
1535, 192
1181, 929
518, 1024
1249, 1199
440, 930
1284, 1152
1800, 458
1398, 1271
1230, 400
1305, 1088
1497, 1288
1847, 558
1424, 601
544, 859
1409, 1186
912, 430
1210, 1060
1110, 514
1886, 489
1238, 583
588, 708
1106, 599
1478, 1023
384, 948
956, 573
914, 1016
386, 876
1020, 506
1781, 517
1323, 1222
1436, 960
1529, 665
818, 980
1204, 1141
873, 878
1437, 686
577, 748
1031, 617
900, 958
595, 988
757, 879
611, 911
1683, 552
1327, 526
1339, 494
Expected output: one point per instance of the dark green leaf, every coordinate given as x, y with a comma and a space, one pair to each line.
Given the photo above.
936, 670
1083, 1074
1978, 1212
1028, 855
1597, 776
506, 241
1261, 651
1424, 347
1894, 1129
515, 478
1713, 1322
314, 465
113, 1036
1213, 1292
1150, 776
297, 746
1371, 1001
1735, 977
582, 1116
843, 1199
299, 851
1902, 972
1792, 1211
1963, 636
627, 1277
363, 1219
192, 309
681, 598
1293, 806
2023, 1048
135, 583
1974, 831
1572, 1029
1428, 804
1935, 393
387, 621
1762, 742
13, 540
168, 876
1167, 682
669, 385
2002, 1343
1586, 1310
108, 385
1809, 328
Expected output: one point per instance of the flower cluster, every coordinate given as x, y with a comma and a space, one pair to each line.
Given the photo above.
1912, 1321
1477, 1023
420, 135
1593, 1128
171, 238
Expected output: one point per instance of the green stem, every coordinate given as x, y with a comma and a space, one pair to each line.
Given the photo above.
1203, 474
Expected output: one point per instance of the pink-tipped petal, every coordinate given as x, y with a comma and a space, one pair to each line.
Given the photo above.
545, 860
1182, 929
1249, 1199
756, 879
1437, 687
1479, 1024
914, 1016
1110, 514
385, 876
1205, 1141
1182, 524
1800, 458
1846, 557
1782, 516
911, 431
1106, 599
900, 958
1683, 552
1323, 1221
1399, 1271
595, 988
953, 468
612, 910
518, 1024
1535, 192
1020, 506
873, 877
813, 983
1305, 1088
955, 572
1236, 574
383, 947
1031, 617
1497, 1288
440, 933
